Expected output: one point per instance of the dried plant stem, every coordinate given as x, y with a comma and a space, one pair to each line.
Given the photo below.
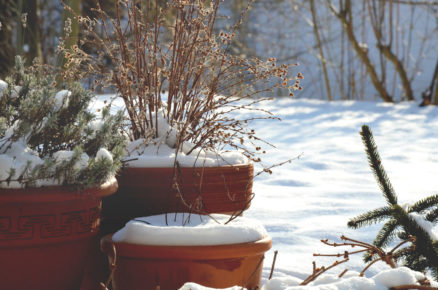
112, 268
259, 264
318, 271
273, 265
371, 249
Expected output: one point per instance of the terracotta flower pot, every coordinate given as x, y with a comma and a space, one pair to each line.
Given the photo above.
220, 266
46, 234
149, 191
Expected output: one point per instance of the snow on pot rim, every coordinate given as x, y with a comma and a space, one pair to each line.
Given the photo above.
158, 154
195, 286
184, 229
161, 151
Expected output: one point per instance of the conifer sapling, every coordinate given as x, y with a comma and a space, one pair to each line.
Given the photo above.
414, 220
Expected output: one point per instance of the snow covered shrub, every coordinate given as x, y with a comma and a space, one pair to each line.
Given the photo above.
168, 59
416, 220
48, 137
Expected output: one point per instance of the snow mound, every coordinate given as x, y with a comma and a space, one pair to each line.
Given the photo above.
161, 152
381, 281
194, 286
185, 229
66, 155
157, 154
3, 87
61, 99
18, 158
104, 154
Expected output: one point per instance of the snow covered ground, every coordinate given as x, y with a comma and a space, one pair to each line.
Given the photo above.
313, 197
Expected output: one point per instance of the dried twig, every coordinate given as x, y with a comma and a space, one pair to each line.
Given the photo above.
273, 265
112, 266
386, 257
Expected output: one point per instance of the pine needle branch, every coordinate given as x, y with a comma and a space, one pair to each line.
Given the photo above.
371, 217
423, 243
433, 215
386, 234
424, 204
376, 165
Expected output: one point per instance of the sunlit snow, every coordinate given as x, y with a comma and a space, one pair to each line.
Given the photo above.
190, 230
313, 197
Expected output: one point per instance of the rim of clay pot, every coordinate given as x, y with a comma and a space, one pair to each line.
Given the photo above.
202, 168
186, 252
56, 193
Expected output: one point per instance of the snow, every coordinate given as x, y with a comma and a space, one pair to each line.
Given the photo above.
61, 99
381, 281
184, 229
194, 286
15, 91
313, 197
96, 125
158, 154
161, 152
104, 154
351, 280
5, 166
426, 225
16, 156
3, 87
65, 155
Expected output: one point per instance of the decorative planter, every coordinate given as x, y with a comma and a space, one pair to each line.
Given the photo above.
46, 234
220, 266
149, 191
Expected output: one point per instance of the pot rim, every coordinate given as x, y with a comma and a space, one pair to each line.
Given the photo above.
213, 252
56, 193
225, 167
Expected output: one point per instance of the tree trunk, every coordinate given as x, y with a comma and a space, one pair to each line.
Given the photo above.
7, 50
33, 32
400, 70
346, 17
434, 86
321, 51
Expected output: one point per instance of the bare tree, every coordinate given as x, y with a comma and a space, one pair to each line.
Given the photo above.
345, 15
376, 10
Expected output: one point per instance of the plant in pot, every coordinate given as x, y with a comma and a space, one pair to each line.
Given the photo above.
212, 250
189, 103
57, 161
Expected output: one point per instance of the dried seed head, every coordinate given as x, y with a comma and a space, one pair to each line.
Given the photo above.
24, 19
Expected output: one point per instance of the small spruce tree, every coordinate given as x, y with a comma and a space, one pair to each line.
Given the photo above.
32, 111
401, 221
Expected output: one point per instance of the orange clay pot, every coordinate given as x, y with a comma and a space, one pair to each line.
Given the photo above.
46, 234
149, 191
141, 267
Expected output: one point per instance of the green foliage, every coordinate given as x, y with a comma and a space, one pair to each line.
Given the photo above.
400, 222
376, 165
34, 113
